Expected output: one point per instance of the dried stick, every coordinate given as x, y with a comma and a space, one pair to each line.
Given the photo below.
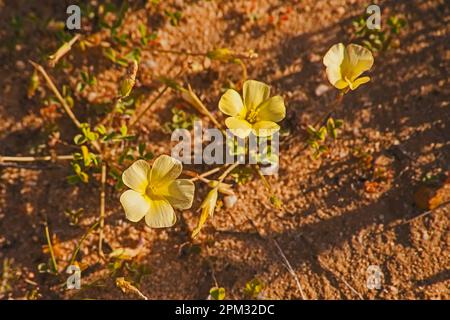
127, 287
426, 212
63, 102
35, 159
352, 289
58, 95
102, 209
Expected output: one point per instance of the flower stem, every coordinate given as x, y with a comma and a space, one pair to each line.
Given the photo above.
202, 108
196, 176
187, 53
77, 249
50, 248
226, 172
323, 120
265, 181
336, 103
244, 69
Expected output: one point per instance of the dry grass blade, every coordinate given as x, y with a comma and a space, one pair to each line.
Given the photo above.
102, 209
290, 269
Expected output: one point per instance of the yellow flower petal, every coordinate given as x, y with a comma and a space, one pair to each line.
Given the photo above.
180, 193
359, 59
136, 176
135, 204
334, 56
255, 93
238, 127
341, 84
355, 84
334, 76
333, 60
165, 169
231, 104
161, 214
265, 128
272, 109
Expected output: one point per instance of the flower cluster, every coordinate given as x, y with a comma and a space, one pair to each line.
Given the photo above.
155, 190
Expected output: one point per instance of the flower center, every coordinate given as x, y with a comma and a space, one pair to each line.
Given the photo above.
252, 115
150, 190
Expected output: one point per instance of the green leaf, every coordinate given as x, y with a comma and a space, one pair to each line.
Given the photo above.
73, 179
217, 293
123, 130
311, 130
276, 202
338, 123
253, 288
79, 139
69, 101
323, 149
322, 133
101, 129
86, 156
141, 149
76, 168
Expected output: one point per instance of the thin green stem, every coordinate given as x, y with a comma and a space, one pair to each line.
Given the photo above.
155, 99
323, 120
263, 178
50, 248
196, 102
226, 172
77, 249
187, 53
203, 175
244, 69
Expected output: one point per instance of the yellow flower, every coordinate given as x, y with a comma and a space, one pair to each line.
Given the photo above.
155, 191
257, 113
346, 64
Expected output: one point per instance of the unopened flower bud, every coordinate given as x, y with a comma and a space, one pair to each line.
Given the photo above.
129, 81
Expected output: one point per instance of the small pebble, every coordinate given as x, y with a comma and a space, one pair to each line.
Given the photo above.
230, 201
20, 65
321, 89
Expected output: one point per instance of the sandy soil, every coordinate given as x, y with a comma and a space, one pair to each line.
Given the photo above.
332, 228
